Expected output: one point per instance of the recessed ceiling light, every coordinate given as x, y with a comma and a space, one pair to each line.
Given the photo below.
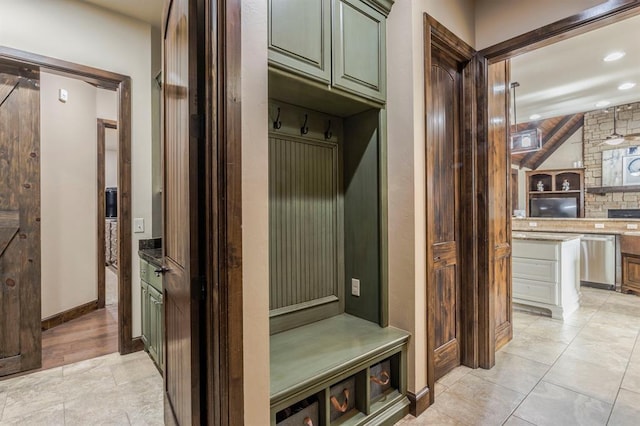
534, 116
626, 86
602, 104
613, 56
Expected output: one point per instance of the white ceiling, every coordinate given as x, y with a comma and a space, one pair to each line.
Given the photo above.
149, 11
570, 76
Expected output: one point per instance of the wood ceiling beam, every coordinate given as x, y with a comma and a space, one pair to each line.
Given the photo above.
529, 159
571, 128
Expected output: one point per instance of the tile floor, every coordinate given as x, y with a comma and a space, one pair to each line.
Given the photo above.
583, 371
109, 390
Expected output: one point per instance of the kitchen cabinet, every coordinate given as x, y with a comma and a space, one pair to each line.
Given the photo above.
546, 271
152, 312
560, 183
630, 259
341, 43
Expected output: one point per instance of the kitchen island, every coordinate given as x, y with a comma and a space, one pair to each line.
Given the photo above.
546, 272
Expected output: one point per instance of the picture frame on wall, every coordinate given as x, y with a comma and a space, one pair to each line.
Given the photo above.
526, 141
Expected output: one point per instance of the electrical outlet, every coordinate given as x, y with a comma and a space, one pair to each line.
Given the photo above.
355, 287
632, 226
533, 224
599, 225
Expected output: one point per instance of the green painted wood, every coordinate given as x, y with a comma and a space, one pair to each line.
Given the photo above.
308, 357
152, 312
359, 49
362, 215
300, 37
155, 325
144, 304
305, 273
384, 220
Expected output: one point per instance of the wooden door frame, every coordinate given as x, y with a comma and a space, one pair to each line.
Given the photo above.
437, 35
102, 125
122, 85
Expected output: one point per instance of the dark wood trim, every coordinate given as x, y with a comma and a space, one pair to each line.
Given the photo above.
223, 311
419, 401
588, 20
121, 83
102, 125
440, 37
137, 345
68, 315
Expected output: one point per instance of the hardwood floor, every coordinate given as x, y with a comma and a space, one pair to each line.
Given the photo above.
89, 336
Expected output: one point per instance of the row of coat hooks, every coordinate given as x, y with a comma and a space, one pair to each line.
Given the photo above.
304, 129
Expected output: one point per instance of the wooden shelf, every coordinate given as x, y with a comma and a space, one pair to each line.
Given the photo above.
571, 191
602, 190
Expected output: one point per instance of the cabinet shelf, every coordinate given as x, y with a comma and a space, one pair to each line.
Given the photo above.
602, 190
553, 181
571, 191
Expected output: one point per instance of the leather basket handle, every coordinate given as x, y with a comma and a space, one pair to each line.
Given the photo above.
382, 380
342, 408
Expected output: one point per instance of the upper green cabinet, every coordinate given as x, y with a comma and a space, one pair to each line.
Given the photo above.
300, 37
337, 42
359, 48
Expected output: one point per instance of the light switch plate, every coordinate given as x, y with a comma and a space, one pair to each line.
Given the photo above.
63, 95
355, 287
138, 225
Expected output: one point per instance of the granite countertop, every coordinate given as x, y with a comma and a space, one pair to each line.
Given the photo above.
544, 236
151, 251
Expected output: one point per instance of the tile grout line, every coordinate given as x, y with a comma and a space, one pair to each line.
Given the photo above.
623, 376
550, 366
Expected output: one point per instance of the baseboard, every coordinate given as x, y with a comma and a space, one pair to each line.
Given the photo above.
419, 401
69, 315
137, 344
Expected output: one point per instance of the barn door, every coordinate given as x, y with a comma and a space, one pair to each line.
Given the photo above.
181, 218
443, 207
20, 316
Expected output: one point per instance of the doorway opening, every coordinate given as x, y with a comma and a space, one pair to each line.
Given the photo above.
53, 306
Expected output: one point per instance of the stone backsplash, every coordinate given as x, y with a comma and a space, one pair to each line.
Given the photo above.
597, 126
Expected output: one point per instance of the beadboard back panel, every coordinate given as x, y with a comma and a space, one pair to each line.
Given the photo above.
304, 231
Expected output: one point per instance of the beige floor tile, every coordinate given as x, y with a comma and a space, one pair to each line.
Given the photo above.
516, 421
31, 380
631, 379
553, 329
522, 320
432, 416
581, 316
3, 399
91, 410
626, 411
553, 405
597, 380
513, 372
454, 375
439, 388
614, 319
474, 401
535, 348
26, 400
133, 370
98, 380
594, 298
50, 416
92, 364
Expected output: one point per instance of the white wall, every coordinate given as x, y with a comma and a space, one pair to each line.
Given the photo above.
69, 196
255, 212
500, 20
566, 154
406, 165
82, 33
111, 160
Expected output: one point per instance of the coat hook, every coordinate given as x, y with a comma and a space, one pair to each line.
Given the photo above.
277, 124
327, 133
304, 129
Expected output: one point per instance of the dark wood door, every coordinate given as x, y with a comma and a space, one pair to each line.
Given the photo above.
180, 204
443, 205
20, 316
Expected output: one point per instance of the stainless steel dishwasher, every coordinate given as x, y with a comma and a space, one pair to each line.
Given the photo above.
598, 261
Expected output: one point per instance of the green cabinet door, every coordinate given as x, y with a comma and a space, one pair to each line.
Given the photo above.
300, 37
155, 325
144, 299
359, 49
